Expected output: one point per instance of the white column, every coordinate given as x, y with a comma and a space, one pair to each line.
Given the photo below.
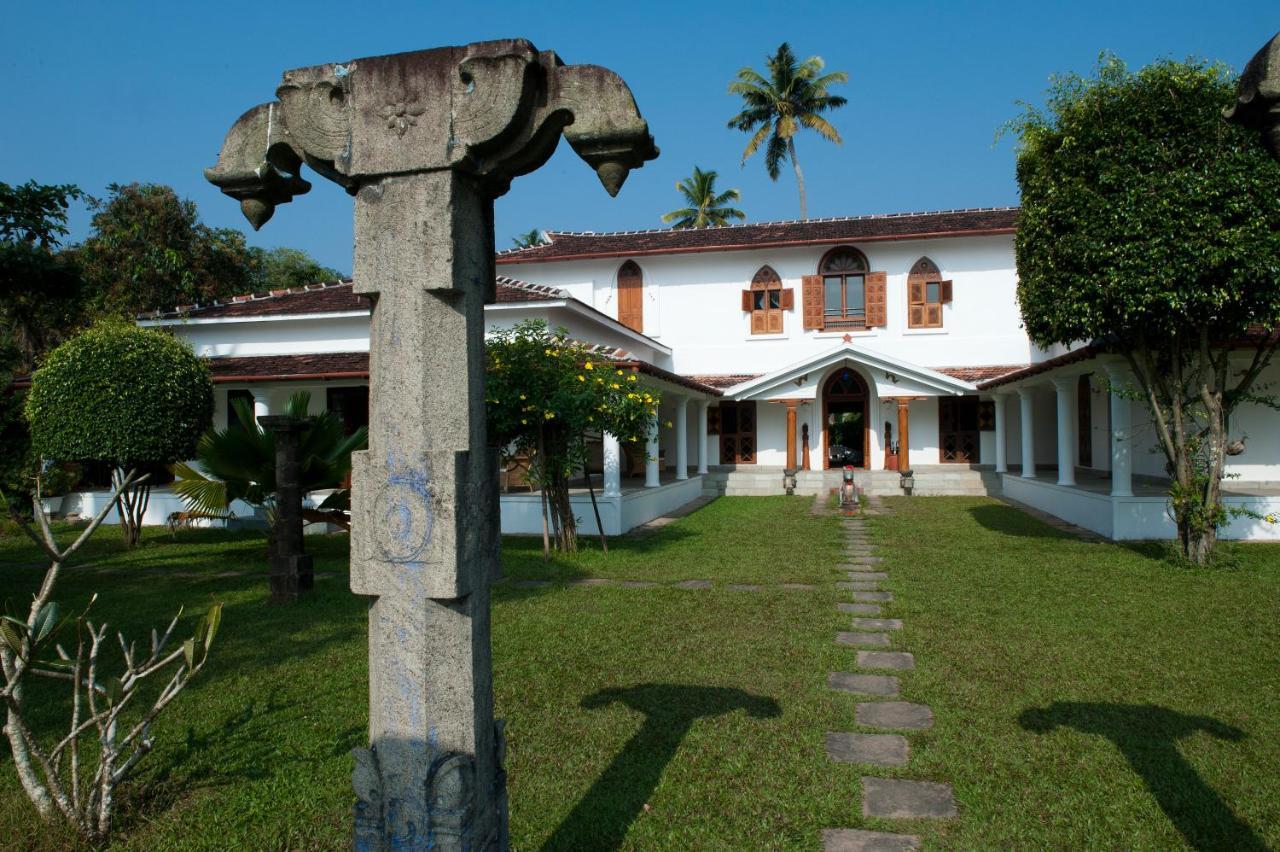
1066, 387
1026, 411
682, 437
703, 405
1002, 462
1121, 432
651, 456
612, 454
261, 402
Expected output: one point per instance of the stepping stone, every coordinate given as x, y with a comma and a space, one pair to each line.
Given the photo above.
894, 714
591, 581
857, 840
900, 660
638, 584
865, 574
798, 587
227, 574
895, 798
874, 640
743, 587
858, 609
862, 684
869, 597
877, 624
873, 749
866, 559
857, 586
531, 584
693, 584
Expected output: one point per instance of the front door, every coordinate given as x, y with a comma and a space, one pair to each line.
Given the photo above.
738, 432
958, 434
844, 419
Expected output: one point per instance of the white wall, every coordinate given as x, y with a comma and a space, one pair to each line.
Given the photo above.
692, 304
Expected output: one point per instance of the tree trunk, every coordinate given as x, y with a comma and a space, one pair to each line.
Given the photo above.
131, 506
795, 164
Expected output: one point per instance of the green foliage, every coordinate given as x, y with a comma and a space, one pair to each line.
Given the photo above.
1145, 216
36, 213
149, 250
119, 394
239, 463
282, 268
539, 380
528, 239
706, 208
776, 107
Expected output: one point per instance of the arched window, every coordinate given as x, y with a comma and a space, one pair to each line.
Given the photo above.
631, 296
765, 301
926, 294
844, 288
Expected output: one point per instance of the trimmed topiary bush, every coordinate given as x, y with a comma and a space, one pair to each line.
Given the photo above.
123, 395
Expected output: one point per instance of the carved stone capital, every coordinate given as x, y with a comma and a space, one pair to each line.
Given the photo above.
1258, 96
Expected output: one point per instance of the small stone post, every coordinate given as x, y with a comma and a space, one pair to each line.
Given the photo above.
291, 572
426, 141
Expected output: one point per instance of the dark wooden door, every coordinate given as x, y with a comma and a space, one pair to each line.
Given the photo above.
738, 432
958, 434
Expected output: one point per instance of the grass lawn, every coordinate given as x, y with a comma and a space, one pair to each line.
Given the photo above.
1085, 694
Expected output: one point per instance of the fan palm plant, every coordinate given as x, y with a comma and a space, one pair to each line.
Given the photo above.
775, 108
706, 207
239, 463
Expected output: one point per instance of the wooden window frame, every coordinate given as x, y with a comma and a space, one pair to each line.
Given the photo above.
630, 277
923, 312
758, 301
844, 321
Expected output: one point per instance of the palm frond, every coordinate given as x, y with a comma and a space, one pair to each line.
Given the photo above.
754, 142
775, 155
198, 492
824, 128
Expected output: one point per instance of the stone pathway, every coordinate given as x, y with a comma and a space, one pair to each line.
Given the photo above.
872, 638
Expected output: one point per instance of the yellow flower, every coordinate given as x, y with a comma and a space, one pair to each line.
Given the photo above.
631, 378
522, 396
1271, 519
550, 415
589, 366
522, 420
615, 386
599, 380
546, 351
619, 372
581, 378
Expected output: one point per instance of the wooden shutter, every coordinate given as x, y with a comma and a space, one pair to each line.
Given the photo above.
812, 302
746, 300
774, 322
759, 322
877, 315
946, 292
631, 296
932, 315
789, 299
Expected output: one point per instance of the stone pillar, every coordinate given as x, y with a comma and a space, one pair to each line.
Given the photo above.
703, 405
682, 437
651, 450
291, 569
1066, 388
612, 454
426, 141
791, 433
1121, 432
1026, 416
1002, 434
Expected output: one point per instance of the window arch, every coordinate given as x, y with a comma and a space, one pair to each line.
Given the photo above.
631, 296
765, 300
844, 288
927, 292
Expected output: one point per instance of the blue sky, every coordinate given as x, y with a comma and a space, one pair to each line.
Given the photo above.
99, 92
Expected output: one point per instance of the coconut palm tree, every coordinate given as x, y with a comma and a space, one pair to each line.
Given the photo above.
528, 239
706, 207
775, 108
239, 463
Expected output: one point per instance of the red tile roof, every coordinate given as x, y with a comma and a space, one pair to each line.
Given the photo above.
979, 374
1084, 353
568, 245
725, 380
327, 298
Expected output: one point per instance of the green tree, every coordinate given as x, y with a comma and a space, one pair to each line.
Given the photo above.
123, 395
149, 250
775, 107
706, 208
528, 239
1152, 227
40, 290
283, 268
239, 463
545, 394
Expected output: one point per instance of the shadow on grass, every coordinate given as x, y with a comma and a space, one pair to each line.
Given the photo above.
1147, 736
1008, 520
602, 817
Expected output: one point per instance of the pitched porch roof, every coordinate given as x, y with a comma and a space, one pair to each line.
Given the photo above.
927, 378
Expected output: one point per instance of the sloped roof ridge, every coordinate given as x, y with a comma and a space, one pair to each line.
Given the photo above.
551, 235
537, 289
240, 299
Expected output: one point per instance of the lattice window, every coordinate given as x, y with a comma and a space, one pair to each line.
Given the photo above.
927, 292
766, 300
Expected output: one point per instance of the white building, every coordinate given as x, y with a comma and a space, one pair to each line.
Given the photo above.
882, 342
